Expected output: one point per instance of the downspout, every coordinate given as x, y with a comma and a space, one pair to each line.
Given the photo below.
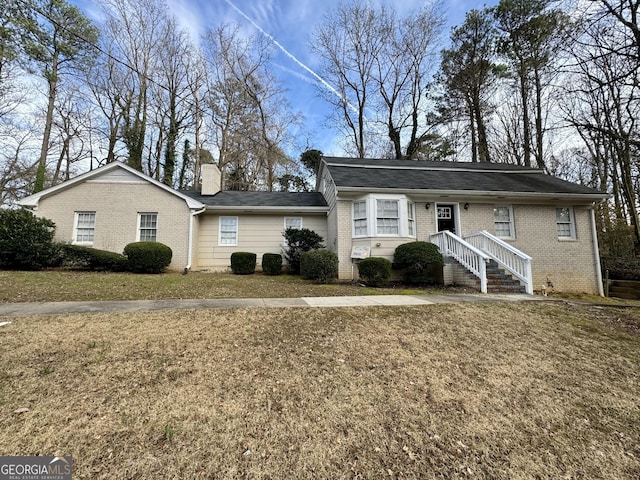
190, 241
596, 251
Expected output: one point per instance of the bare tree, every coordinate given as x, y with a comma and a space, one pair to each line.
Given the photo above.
134, 29
349, 42
249, 116
58, 42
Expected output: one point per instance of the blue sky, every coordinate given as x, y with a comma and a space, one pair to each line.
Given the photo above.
291, 23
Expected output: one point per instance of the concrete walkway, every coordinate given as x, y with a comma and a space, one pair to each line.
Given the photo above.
53, 308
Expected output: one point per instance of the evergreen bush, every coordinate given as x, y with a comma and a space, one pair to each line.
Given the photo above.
272, 263
319, 265
147, 257
375, 271
622, 268
243, 263
299, 240
26, 241
421, 263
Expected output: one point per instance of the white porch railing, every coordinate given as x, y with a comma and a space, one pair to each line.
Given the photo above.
508, 257
469, 256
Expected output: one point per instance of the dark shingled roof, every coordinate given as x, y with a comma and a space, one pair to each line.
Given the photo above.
259, 199
456, 176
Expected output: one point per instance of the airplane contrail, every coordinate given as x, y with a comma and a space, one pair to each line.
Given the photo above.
291, 56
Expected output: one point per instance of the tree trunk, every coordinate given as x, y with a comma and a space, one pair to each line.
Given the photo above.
52, 81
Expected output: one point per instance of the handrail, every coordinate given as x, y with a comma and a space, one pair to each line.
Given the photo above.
469, 256
508, 257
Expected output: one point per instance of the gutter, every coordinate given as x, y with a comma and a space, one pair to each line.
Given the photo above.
192, 214
596, 251
437, 195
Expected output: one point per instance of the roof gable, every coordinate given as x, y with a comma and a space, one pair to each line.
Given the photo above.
114, 172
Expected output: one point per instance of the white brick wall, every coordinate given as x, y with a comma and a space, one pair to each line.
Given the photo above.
117, 206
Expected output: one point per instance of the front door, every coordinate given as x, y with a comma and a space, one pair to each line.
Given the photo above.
446, 217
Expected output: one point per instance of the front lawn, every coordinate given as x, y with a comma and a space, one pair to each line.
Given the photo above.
61, 285
499, 391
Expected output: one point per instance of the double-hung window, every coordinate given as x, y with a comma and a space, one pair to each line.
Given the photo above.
228, 231
387, 217
503, 221
565, 223
360, 218
85, 226
147, 226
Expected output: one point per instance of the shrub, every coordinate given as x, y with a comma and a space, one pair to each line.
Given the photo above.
375, 271
299, 240
243, 263
622, 268
272, 263
421, 261
26, 241
319, 265
87, 258
147, 257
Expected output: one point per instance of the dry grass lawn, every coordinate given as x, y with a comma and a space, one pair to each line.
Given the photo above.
61, 285
531, 390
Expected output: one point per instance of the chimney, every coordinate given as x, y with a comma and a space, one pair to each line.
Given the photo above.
211, 178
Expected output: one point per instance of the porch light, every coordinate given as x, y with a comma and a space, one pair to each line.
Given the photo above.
466, 206
426, 206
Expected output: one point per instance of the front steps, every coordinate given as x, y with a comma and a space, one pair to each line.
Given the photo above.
498, 281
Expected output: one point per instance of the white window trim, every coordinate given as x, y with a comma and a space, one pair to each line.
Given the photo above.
138, 230
571, 222
220, 244
288, 218
512, 225
371, 202
365, 218
75, 227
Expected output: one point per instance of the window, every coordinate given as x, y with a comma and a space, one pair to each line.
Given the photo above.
228, 231
360, 219
293, 222
565, 223
85, 227
503, 221
411, 218
387, 218
147, 226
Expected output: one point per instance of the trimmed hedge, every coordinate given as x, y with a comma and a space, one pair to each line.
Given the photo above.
148, 257
243, 263
375, 271
78, 257
26, 241
272, 264
422, 263
319, 265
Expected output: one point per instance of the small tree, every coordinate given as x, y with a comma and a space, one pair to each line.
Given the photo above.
299, 240
26, 241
